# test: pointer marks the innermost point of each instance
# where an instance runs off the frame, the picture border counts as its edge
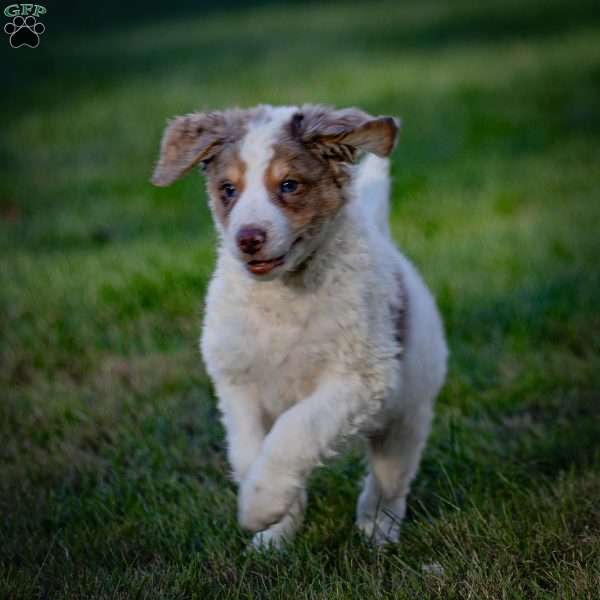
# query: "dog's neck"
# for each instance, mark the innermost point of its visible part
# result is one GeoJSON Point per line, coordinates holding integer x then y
{"type": "Point", "coordinates": [332, 243]}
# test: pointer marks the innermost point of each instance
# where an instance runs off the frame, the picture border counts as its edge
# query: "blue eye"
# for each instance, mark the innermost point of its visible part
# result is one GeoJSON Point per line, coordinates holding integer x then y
{"type": "Point", "coordinates": [229, 191]}
{"type": "Point", "coordinates": [288, 186]}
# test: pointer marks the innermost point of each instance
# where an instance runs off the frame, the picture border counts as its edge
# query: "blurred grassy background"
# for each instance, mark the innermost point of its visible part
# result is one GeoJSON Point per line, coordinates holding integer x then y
{"type": "Point", "coordinates": [113, 477]}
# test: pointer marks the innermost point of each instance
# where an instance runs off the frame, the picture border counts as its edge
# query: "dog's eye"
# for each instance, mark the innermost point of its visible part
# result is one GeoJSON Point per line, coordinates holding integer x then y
{"type": "Point", "coordinates": [288, 186]}
{"type": "Point", "coordinates": [228, 192]}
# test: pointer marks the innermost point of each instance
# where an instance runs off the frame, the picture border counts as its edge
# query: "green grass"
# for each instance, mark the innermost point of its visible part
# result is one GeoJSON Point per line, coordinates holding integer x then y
{"type": "Point", "coordinates": [113, 476]}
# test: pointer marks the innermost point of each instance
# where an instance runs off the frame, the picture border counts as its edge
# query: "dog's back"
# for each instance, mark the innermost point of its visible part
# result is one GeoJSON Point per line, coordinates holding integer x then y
{"type": "Point", "coordinates": [417, 325]}
{"type": "Point", "coordinates": [372, 191]}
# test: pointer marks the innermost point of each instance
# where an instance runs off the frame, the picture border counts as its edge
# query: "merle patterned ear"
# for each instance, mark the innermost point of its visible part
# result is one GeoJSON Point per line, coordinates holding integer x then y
{"type": "Point", "coordinates": [338, 134]}
{"type": "Point", "coordinates": [187, 141]}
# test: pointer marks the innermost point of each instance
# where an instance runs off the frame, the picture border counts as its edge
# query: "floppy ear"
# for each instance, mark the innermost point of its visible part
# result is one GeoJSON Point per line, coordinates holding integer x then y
{"type": "Point", "coordinates": [338, 134]}
{"type": "Point", "coordinates": [187, 141]}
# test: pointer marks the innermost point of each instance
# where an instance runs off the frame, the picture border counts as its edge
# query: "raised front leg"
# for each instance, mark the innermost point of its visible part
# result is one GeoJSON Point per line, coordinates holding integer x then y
{"type": "Point", "coordinates": [243, 422]}
{"type": "Point", "coordinates": [298, 441]}
{"type": "Point", "coordinates": [245, 427]}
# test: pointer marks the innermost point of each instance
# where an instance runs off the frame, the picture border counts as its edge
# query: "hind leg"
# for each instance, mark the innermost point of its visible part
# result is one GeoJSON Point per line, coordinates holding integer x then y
{"type": "Point", "coordinates": [394, 456]}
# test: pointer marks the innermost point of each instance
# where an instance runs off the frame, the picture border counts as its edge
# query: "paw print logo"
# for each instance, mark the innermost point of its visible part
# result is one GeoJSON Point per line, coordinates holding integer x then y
{"type": "Point", "coordinates": [24, 31]}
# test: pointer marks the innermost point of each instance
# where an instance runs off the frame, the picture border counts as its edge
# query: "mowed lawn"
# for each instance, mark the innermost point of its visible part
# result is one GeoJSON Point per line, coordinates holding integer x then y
{"type": "Point", "coordinates": [113, 477]}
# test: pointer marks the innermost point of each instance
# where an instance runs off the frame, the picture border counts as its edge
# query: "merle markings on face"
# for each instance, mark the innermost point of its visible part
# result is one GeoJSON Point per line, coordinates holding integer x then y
{"type": "Point", "coordinates": [275, 175]}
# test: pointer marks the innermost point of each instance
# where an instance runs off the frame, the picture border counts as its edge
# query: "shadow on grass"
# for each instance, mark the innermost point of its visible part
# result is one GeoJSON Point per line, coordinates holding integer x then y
{"type": "Point", "coordinates": [98, 67]}
{"type": "Point", "coordinates": [542, 421]}
{"type": "Point", "coordinates": [546, 112]}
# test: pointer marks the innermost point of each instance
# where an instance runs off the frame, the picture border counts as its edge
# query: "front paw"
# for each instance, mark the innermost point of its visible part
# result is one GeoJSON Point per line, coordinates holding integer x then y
{"type": "Point", "coordinates": [263, 502]}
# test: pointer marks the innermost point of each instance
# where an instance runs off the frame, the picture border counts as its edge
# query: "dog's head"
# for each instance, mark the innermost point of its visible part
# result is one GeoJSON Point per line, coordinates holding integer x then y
{"type": "Point", "coordinates": [275, 176]}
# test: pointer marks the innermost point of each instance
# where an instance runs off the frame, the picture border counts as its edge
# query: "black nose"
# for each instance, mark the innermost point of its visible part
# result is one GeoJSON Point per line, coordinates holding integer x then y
{"type": "Point", "coordinates": [251, 239]}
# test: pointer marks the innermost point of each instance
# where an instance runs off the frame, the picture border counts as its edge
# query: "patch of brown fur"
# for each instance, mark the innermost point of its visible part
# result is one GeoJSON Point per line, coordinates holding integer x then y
{"type": "Point", "coordinates": [321, 182]}
{"type": "Point", "coordinates": [338, 134]}
{"type": "Point", "coordinates": [226, 167]}
{"type": "Point", "coordinates": [315, 150]}
{"type": "Point", "coordinates": [194, 138]}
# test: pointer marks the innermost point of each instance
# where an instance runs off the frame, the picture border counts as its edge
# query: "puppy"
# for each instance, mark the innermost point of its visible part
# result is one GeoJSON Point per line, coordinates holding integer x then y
{"type": "Point", "coordinates": [316, 327]}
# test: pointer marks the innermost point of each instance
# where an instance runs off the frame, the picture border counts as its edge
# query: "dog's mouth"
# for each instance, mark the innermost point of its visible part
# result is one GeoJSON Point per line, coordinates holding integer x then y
{"type": "Point", "coordinates": [262, 267]}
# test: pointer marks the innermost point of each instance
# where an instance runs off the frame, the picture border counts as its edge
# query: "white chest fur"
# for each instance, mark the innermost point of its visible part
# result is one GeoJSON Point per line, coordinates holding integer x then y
{"type": "Point", "coordinates": [276, 337]}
